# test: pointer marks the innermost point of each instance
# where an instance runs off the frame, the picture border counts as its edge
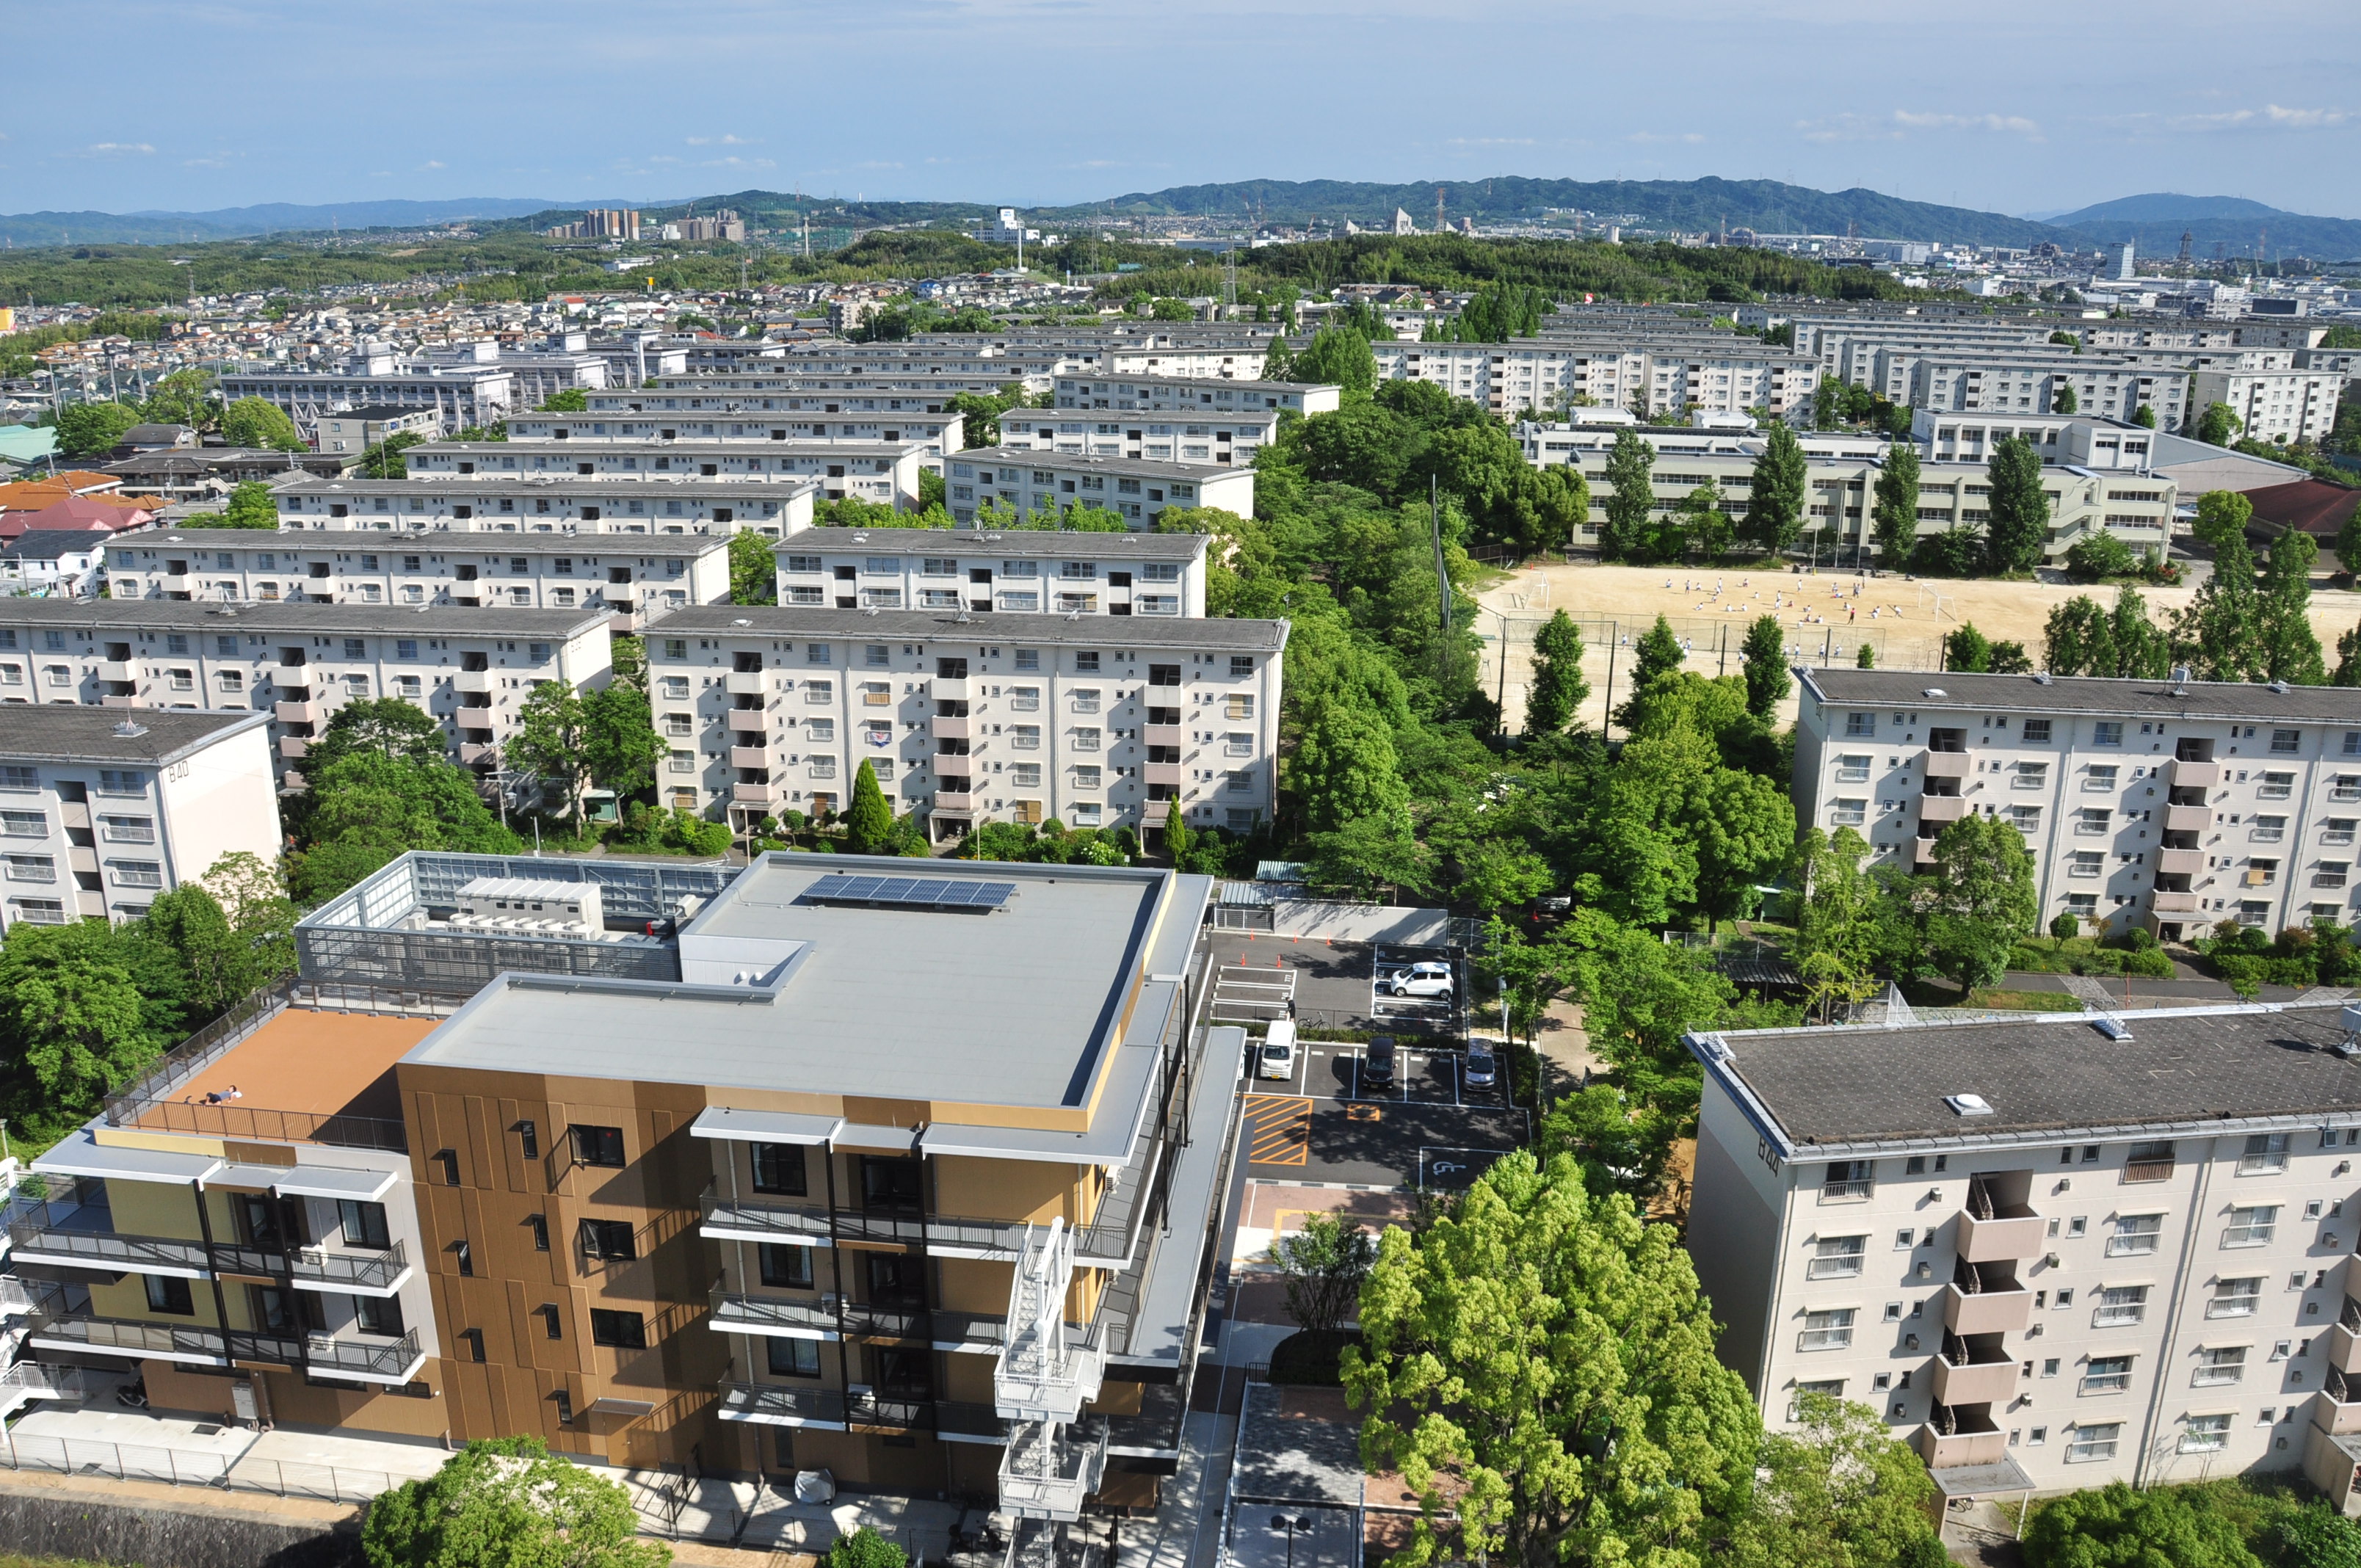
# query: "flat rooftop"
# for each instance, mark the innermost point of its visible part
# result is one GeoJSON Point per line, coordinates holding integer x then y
{"type": "Point", "coordinates": [1050, 631]}
{"type": "Point", "coordinates": [2183, 1068]}
{"type": "Point", "coordinates": [56, 732]}
{"type": "Point", "coordinates": [1019, 1007]}
{"type": "Point", "coordinates": [2196, 701]}
{"type": "Point", "coordinates": [94, 618]}
{"type": "Point", "coordinates": [1017, 542]}
{"type": "Point", "coordinates": [308, 1064]}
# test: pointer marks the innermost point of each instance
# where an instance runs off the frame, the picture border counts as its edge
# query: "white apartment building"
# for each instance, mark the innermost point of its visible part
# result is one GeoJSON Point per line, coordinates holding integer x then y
{"type": "Point", "coordinates": [1690, 372]}
{"type": "Point", "coordinates": [938, 433]}
{"type": "Point", "coordinates": [557, 503]}
{"type": "Point", "coordinates": [2176, 806]}
{"type": "Point", "coordinates": [968, 719]}
{"type": "Point", "coordinates": [1177, 392]}
{"type": "Point", "coordinates": [350, 432]}
{"type": "Point", "coordinates": [874, 472]}
{"type": "Point", "coordinates": [1042, 481]}
{"type": "Point", "coordinates": [2054, 1252]}
{"type": "Point", "coordinates": [1012, 571]}
{"type": "Point", "coordinates": [2273, 405]}
{"type": "Point", "coordinates": [457, 394]}
{"type": "Point", "coordinates": [632, 578]}
{"type": "Point", "coordinates": [299, 663]}
{"type": "Point", "coordinates": [2066, 439]}
{"type": "Point", "coordinates": [2029, 385]}
{"type": "Point", "coordinates": [1158, 436]}
{"type": "Point", "coordinates": [101, 812]}
{"type": "Point", "coordinates": [784, 391]}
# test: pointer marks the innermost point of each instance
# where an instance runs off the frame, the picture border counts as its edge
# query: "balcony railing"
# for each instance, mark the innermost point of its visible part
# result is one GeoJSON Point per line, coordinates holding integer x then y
{"type": "Point", "coordinates": [780, 1404]}
{"type": "Point", "coordinates": [388, 1361]}
{"type": "Point", "coordinates": [366, 1270]}
{"type": "Point", "coordinates": [84, 1237]}
{"type": "Point", "coordinates": [1045, 1474]}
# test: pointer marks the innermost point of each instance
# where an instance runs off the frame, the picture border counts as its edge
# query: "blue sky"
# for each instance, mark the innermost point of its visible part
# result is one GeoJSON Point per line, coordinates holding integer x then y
{"type": "Point", "coordinates": [2019, 106]}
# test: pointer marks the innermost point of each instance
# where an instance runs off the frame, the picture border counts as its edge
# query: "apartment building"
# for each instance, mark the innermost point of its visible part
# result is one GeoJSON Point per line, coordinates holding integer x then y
{"type": "Point", "coordinates": [2272, 404]}
{"type": "Point", "coordinates": [2175, 806]}
{"type": "Point", "coordinates": [2054, 1252]}
{"type": "Point", "coordinates": [1157, 436]}
{"type": "Point", "coordinates": [1015, 571]}
{"type": "Point", "coordinates": [1137, 489]}
{"type": "Point", "coordinates": [939, 432]}
{"type": "Point", "coordinates": [873, 471]}
{"type": "Point", "coordinates": [350, 432]}
{"type": "Point", "coordinates": [967, 1259]}
{"type": "Point", "coordinates": [1173, 393]}
{"type": "Point", "coordinates": [557, 503]}
{"type": "Point", "coordinates": [2074, 440]}
{"type": "Point", "coordinates": [768, 710]}
{"type": "Point", "coordinates": [779, 389]}
{"type": "Point", "coordinates": [469, 668]}
{"type": "Point", "coordinates": [1714, 373]}
{"type": "Point", "coordinates": [2030, 383]}
{"type": "Point", "coordinates": [101, 812]}
{"type": "Point", "coordinates": [441, 567]}
{"type": "Point", "coordinates": [457, 394]}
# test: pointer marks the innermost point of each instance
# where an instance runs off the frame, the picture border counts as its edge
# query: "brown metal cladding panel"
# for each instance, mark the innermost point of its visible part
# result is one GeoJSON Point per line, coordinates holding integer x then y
{"type": "Point", "coordinates": [481, 1167]}
{"type": "Point", "coordinates": [511, 1147]}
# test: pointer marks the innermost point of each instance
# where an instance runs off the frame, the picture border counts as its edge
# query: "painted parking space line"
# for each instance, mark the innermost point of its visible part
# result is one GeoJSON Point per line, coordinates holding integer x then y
{"type": "Point", "coordinates": [1278, 1129]}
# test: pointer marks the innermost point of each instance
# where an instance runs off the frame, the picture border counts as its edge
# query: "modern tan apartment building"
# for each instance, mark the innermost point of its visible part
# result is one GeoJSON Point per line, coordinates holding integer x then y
{"type": "Point", "coordinates": [948, 1237]}
{"type": "Point", "coordinates": [968, 718]}
{"type": "Point", "coordinates": [2175, 806]}
{"type": "Point", "coordinates": [2052, 1252]}
{"type": "Point", "coordinates": [470, 668]}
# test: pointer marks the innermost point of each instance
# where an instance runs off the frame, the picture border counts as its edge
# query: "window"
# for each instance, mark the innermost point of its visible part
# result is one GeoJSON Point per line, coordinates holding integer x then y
{"type": "Point", "coordinates": [2107, 732]}
{"type": "Point", "coordinates": [1849, 812]}
{"type": "Point", "coordinates": [25, 824]}
{"type": "Point", "coordinates": [2092, 819]}
{"type": "Point", "coordinates": [1837, 1258]}
{"type": "Point", "coordinates": [32, 868]}
{"type": "Point", "coordinates": [2036, 730]}
{"type": "Point", "coordinates": [553, 1325]}
{"type": "Point", "coordinates": [114, 781]}
{"type": "Point", "coordinates": [378, 1315]}
{"type": "Point", "coordinates": [2253, 1225]}
{"type": "Point", "coordinates": [2267, 830]}
{"type": "Point", "coordinates": [1860, 725]}
{"type": "Point", "coordinates": [792, 1357]}
{"type": "Point", "coordinates": [2205, 1434]}
{"type": "Point", "coordinates": [1831, 1330]}
{"type": "Point", "coordinates": [2119, 1305]}
{"type": "Point", "coordinates": [779, 1169]}
{"type": "Point", "coordinates": [2098, 779]}
{"type": "Point", "coordinates": [618, 1331]}
{"type": "Point", "coordinates": [1853, 768]}
{"type": "Point", "coordinates": [1848, 1178]}
{"type": "Point", "coordinates": [2086, 863]}
{"type": "Point", "coordinates": [1238, 704]}
{"type": "Point", "coordinates": [2218, 1365]}
{"type": "Point", "coordinates": [2149, 1161]}
{"type": "Point", "coordinates": [609, 1239]}
{"type": "Point", "coordinates": [19, 778]}
{"type": "Point", "coordinates": [2093, 1443]}
{"type": "Point", "coordinates": [598, 1146]}
{"type": "Point", "coordinates": [2107, 1375]}
{"type": "Point", "coordinates": [786, 1267]}
{"type": "Point", "coordinates": [465, 1256]}
{"type": "Point", "coordinates": [1086, 776]}
{"type": "Point", "coordinates": [137, 874]}
{"type": "Point", "coordinates": [2285, 740]}
{"type": "Point", "coordinates": [364, 1223]}
{"type": "Point", "coordinates": [2276, 787]}
{"type": "Point", "coordinates": [166, 1294]}
{"type": "Point", "coordinates": [2234, 1297]}
{"type": "Point", "coordinates": [539, 1225]}
{"type": "Point", "coordinates": [2264, 1152]}
{"type": "Point", "coordinates": [2135, 1236]}
{"type": "Point", "coordinates": [2031, 775]}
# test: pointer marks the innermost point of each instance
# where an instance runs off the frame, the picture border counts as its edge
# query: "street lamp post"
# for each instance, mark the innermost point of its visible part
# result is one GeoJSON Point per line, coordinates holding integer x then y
{"type": "Point", "coordinates": [1291, 1524]}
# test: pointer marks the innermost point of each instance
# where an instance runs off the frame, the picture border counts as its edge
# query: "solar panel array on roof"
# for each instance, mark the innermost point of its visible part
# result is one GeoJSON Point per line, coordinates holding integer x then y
{"type": "Point", "coordinates": [908, 893]}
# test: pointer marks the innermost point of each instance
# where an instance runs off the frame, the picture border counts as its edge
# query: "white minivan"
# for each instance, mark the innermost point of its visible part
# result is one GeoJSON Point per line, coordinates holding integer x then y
{"type": "Point", "coordinates": [1278, 1050]}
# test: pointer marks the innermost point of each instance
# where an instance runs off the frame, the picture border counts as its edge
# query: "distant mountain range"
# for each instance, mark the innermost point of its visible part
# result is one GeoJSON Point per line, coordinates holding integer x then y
{"type": "Point", "coordinates": [2153, 223]}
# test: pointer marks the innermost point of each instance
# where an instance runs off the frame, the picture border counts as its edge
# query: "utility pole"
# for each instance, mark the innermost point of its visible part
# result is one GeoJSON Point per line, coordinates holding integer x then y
{"type": "Point", "coordinates": [1442, 578]}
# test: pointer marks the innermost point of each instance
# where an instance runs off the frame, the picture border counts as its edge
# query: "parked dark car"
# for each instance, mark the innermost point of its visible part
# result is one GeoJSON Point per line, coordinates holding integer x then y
{"type": "Point", "coordinates": [1377, 1064]}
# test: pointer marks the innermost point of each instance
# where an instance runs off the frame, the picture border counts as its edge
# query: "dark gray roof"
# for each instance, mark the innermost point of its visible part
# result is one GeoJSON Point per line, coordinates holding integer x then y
{"type": "Point", "coordinates": [2048, 1073]}
{"type": "Point", "coordinates": [49, 543]}
{"type": "Point", "coordinates": [1069, 462]}
{"type": "Point", "coordinates": [91, 616]}
{"type": "Point", "coordinates": [64, 732]}
{"type": "Point", "coordinates": [444, 541]}
{"type": "Point", "coordinates": [378, 411]}
{"type": "Point", "coordinates": [478, 489]}
{"type": "Point", "coordinates": [2081, 694]}
{"type": "Point", "coordinates": [1014, 541]}
{"type": "Point", "coordinates": [1051, 630]}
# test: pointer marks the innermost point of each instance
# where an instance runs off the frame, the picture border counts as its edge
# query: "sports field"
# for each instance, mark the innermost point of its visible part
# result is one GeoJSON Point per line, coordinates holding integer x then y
{"type": "Point", "coordinates": [1828, 617]}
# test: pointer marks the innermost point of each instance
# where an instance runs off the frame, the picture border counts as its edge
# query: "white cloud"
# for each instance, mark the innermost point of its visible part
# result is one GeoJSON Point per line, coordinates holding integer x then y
{"type": "Point", "coordinates": [2270, 116]}
{"type": "Point", "coordinates": [2016, 123]}
{"type": "Point", "coordinates": [1648, 137]}
{"type": "Point", "coordinates": [116, 149]}
{"type": "Point", "coordinates": [432, 163]}
{"type": "Point", "coordinates": [1898, 125]}
{"type": "Point", "coordinates": [204, 163]}
{"type": "Point", "coordinates": [725, 141]}
{"type": "Point", "coordinates": [1489, 141]}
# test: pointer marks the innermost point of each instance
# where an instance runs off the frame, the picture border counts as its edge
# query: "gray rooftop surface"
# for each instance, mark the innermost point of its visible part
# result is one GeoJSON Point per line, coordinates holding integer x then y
{"type": "Point", "coordinates": [59, 732]}
{"type": "Point", "coordinates": [1035, 458]}
{"type": "Point", "coordinates": [94, 616]}
{"type": "Point", "coordinates": [1012, 1008]}
{"type": "Point", "coordinates": [1861, 1083]}
{"type": "Point", "coordinates": [1292, 1459]}
{"type": "Point", "coordinates": [445, 541]}
{"type": "Point", "coordinates": [1012, 542]}
{"type": "Point", "coordinates": [2083, 693]}
{"type": "Point", "coordinates": [1089, 632]}
{"type": "Point", "coordinates": [471, 488]}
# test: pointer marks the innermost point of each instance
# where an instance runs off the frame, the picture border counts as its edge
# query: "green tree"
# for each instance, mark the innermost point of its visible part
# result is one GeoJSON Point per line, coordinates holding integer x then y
{"type": "Point", "coordinates": [1707, 526]}
{"type": "Point", "coordinates": [2222, 515]}
{"type": "Point", "coordinates": [2063, 401]}
{"type": "Point", "coordinates": [1775, 506]}
{"type": "Point", "coordinates": [869, 820]}
{"type": "Point", "coordinates": [2217, 426]}
{"type": "Point", "coordinates": [73, 1011]}
{"type": "Point", "coordinates": [2348, 541]}
{"type": "Point", "coordinates": [189, 921]}
{"type": "Point", "coordinates": [1840, 1493]}
{"type": "Point", "coordinates": [2219, 632]}
{"type": "Point", "coordinates": [1743, 827]}
{"type": "Point", "coordinates": [753, 570]}
{"type": "Point", "coordinates": [184, 397]}
{"type": "Point", "coordinates": [1365, 856]}
{"type": "Point", "coordinates": [368, 807]}
{"type": "Point", "coordinates": [1630, 463]}
{"type": "Point", "coordinates": [1659, 653]}
{"type": "Point", "coordinates": [1983, 899]}
{"type": "Point", "coordinates": [2143, 650]}
{"type": "Point", "coordinates": [2116, 1527]}
{"type": "Point", "coordinates": [387, 725]}
{"type": "Point", "coordinates": [2098, 555]}
{"type": "Point", "coordinates": [1865, 657]}
{"type": "Point", "coordinates": [251, 505]}
{"type": "Point", "coordinates": [260, 425]}
{"type": "Point", "coordinates": [2290, 651]}
{"type": "Point", "coordinates": [508, 1503]}
{"type": "Point", "coordinates": [1336, 356]}
{"type": "Point", "coordinates": [2316, 1536]}
{"type": "Point", "coordinates": [1894, 509]}
{"type": "Point", "coordinates": [1176, 832]}
{"type": "Point", "coordinates": [1967, 650]}
{"type": "Point", "coordinates": [2079, 638]}
{"type": "Point", "coordinates": [2348, 659]}
{"type": "Point", "coordinates": [864, 1548]}
{"type": "Point", "coordinates": [550, 740]}
{"type": "Point", "coordinates": [1557, 690]}
{"type": "Point", "coordinates": [2145, 416]}
{"type": "Point", "coordinates": [620, 743]}
{"type": "Point", "coordinates": [2020, 511]}
{"type": "Point", "coordinates": [1764, 657]}
{"type": "Point", "coordinates": [1323, 1266]}
{"type": "Point", "coordinates": [1503, 1343]}
{"type": "Point", "coordinates": [385, 460]}
{"type": "Point", "coordinates": [1498, 873]}
{"type": "Point", "coordinates": [1837, 929]}
{"type": "Point", "coordinates": [570, 401]}
{"type": "Point", "coordinates": [1346, 768]}
{"type": "Point", "coordinates": [91, 429]}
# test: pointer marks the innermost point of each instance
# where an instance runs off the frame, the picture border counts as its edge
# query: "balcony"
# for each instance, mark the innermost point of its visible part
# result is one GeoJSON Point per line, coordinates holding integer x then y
{"type": "Point", "coordinates": [782, 1405]}
{"type": "Point", "coordinates": [1977, 1372]}
{"type": "Point", "coordinates": [1995, 1232]}
{"type": "Point", "coordinates": [1958, 1435]}
{"type": "Point", "coordinates": [1045, 1474]}
{"type": "Point", "coordinates": [354, 1271]}
{"type": "Point", "coordinates": [2180, 773]}
{"type": "Point", "coordinates": [175, 583]}
{"type": "Point", "coordinates": [1923, 851]}
{"type": "Point", "coordinates": [749, 721]}
{"type": "Point", "coordinates": [1947, 764]}
{"type": "Point", "coordinates": [2340, 1406]}
{"type": "Point", "coordinates": [122, 700]}
{"type": "Point", "coordinates": [1161, 735]}
{"type": "Point", "coordinates": [1940, 808]}
{"type": "Point", "coordinates": [1161, 773]}
{"type": "Point", "coordinates": [1986, 1299]}
{"type": "Point", "coordinates": [293, 747]}
{"type": "Point", "coordinates": [750, 757]}
{"type": "Point", "coordinates": [793, 1223]}
{"type": "Point", "coordinates": [2345, 1340]}
{"type": "Point", "coordinates": [365, 1361]}
{"type": "Point", "coordinates": [118, 670]}
{"type": "Point", "coordinates": [746, 682]}
{"type": "Point", "coordinates": [754, 793]}
{"type": "Point", "coordinates": [471, 681]}
{"type": "Point", "coordinates": [954, 800]}
{"type": "Point", "coordinates": [2179, 862]}
{"type": "Point", "coordinates": [2165, 902]}
{"type": "Point", "coordinates": [778, 1317]}
{"type": "Point", "coordinates": [84, 1237]}
{"type": "Point", "coordinates": [29, 1380]}
{"type": "Point", "coordinates": [2186, 818]}
{"type": "Point", "coordinates": [960, 728]}
{"type": "Point", "coordinates": [944, 688]}
{"type": "Point", "coordinates": [305, 712]}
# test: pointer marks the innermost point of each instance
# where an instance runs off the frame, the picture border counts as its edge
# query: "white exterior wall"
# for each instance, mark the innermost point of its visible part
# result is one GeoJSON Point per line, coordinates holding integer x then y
{"type": "Point", "coordinates": [585, 504]}
{"type": "Point", "coordinates": [820, 569]}
{"type": "Point", "coordinates": [1155, 436]}
{"type": "Point", "coordinates": [1175, 392]}
{"type": "Point", "coordinates": [938, 432]}
{"type": "Point", "coordinates": [2273, 405]}
{"type": "Point", "coordinates": [1040, 481]}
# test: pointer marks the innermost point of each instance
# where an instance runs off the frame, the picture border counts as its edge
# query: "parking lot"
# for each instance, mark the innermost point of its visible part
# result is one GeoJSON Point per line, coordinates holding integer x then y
{"type": "Point", "coordinates": [1323, 985]}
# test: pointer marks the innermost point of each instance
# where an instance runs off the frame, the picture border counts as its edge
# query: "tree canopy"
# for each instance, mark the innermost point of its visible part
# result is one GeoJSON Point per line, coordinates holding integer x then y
{"type": "Point", "coordinates": [508, 1503]}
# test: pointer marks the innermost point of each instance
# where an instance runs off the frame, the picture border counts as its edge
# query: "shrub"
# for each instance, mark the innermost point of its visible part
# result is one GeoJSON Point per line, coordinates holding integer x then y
{"type": "Point", "coordinates": [2150, 963]}
{"type": "Point", "coordinates": [2095, 557]}
{"type": "Point", "coordinates": [2116, 1527]}
{"type": "Point", "coordinates": [2066, 928]}
{"type": "Point", "coordinates": [864, 1548]}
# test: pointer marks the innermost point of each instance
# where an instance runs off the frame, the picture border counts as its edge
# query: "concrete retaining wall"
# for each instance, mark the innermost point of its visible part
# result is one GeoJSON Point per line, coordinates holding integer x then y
{"type": "Point", "coordinates": [154, 1534]}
